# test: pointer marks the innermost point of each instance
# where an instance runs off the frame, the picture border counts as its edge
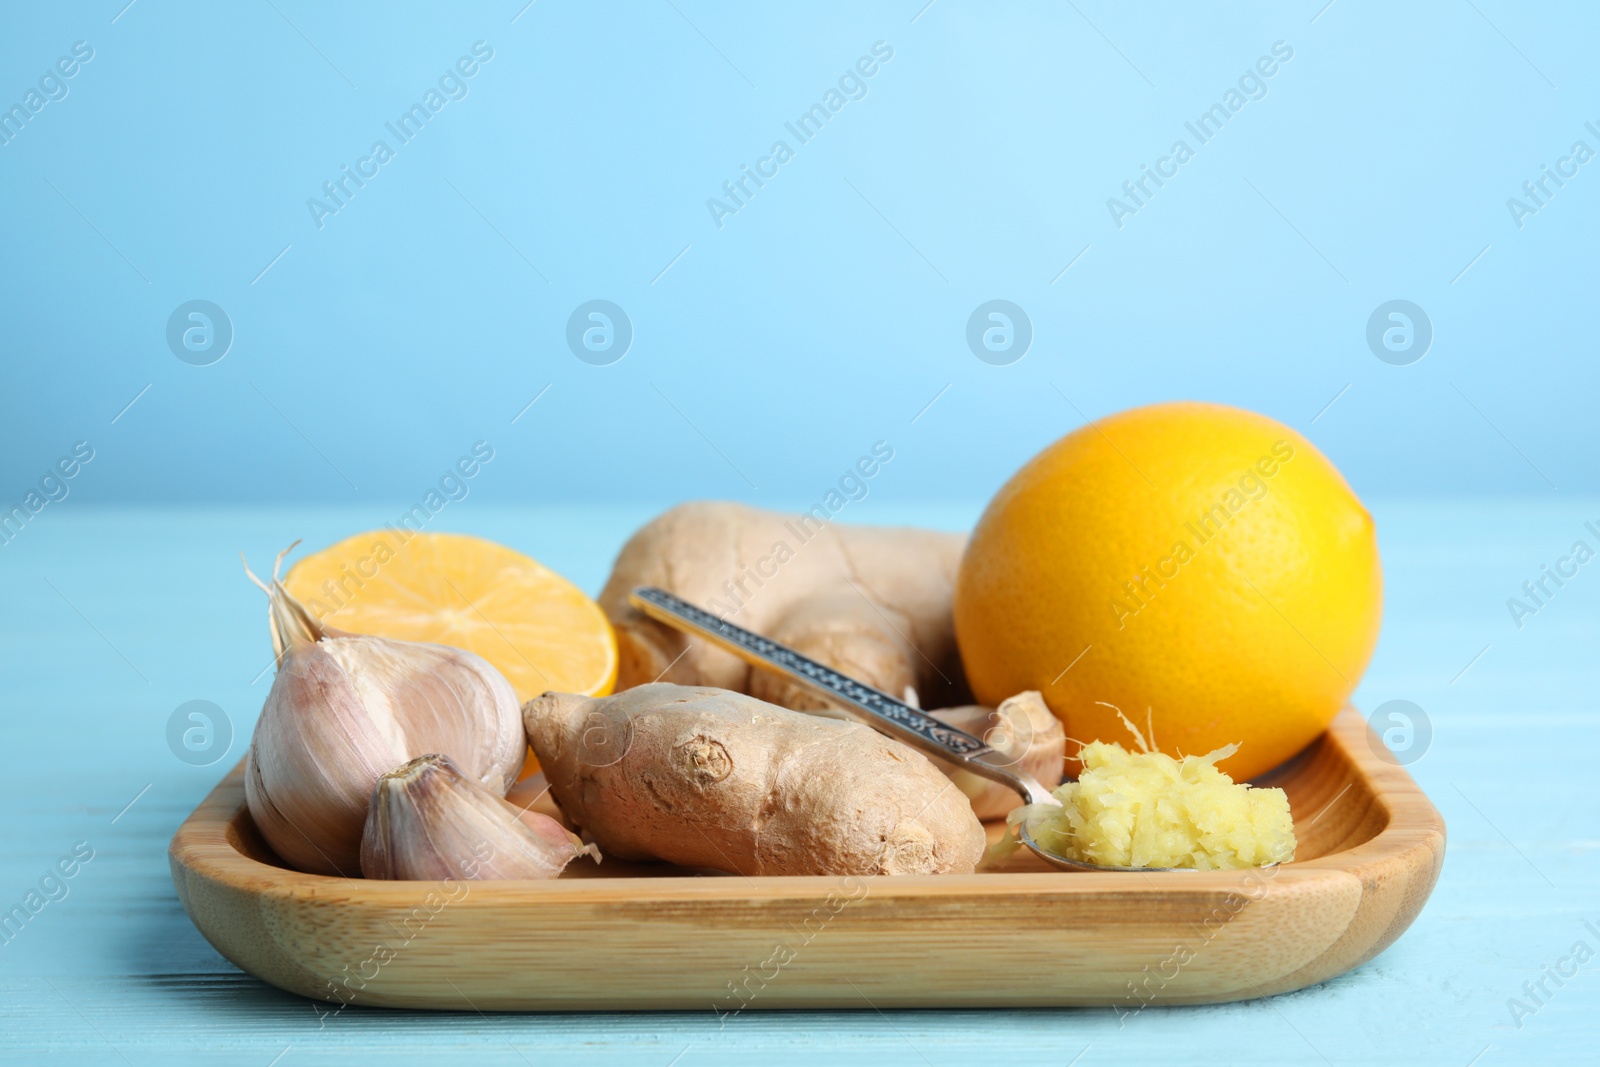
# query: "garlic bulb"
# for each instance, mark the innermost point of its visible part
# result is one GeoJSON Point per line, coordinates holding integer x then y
{"type": "Point", "coordinates": [428, 821]}
{"type": "Point", "coordinates": [346, 708]}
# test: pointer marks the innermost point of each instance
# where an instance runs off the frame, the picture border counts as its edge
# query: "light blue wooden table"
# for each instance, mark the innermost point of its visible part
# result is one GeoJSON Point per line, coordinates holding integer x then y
{"type": "Point", "coordinates": [113, 618]}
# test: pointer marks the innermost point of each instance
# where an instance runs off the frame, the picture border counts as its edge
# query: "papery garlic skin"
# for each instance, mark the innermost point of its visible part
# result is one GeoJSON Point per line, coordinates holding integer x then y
{"type": "Point", "coordinates": [345, 709]}
{"type": "Point", "coordinates": [428, 821]}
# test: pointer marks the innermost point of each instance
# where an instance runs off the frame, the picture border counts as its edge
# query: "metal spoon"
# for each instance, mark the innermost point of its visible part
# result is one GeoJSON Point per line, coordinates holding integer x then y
{"type": "Point", "coordinates": [863, 704]}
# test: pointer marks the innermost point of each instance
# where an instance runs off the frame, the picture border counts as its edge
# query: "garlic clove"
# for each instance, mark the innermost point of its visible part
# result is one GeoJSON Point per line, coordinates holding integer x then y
{"type": "Point", "coordinates": [429, 821]}
{"type": "Point", "coordinates": [531, 795]}
{"type": "Point", "coordinates": [344, 709]}
{"type": "Point", "coordinates": [1023, 730]}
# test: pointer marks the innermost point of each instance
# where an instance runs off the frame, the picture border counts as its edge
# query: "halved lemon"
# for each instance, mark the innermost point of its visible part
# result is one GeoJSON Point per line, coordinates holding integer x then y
{"type": "Point", "coordinates": [536, 627]}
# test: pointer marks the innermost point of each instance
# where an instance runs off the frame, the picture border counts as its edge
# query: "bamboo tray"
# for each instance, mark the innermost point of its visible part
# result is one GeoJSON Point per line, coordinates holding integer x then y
{"type": "Point", "coordinates": [640, 936]}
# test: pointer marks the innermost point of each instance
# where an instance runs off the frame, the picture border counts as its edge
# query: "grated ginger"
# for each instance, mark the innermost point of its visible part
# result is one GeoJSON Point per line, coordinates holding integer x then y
{"type": "Point", "coordinates": [1146, 809]}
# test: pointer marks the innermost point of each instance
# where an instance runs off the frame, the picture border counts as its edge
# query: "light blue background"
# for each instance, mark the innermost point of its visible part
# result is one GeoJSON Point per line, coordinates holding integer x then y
{"type": "Point", "coordinates": [768, 355]}
{"type": "Point", "coordinates": [828, 312]}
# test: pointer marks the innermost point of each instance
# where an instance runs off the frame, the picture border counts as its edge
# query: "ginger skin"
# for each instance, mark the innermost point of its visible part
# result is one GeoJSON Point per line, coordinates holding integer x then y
{"type": "Point", "coordinates": [871, 601]}
{"type": "Point", "coordinates": [707, 778]}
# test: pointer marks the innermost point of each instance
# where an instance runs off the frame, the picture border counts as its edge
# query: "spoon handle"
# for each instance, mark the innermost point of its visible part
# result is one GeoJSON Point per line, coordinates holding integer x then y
{"type": "Point", "coordinates": [859, 702]}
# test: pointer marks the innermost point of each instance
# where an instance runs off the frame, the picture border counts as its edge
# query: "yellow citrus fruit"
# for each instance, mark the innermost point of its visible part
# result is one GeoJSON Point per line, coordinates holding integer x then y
{"type": "Point", "coordinates": [536, 627]}
{"type": "Point", "coordinates": [1201, 568]}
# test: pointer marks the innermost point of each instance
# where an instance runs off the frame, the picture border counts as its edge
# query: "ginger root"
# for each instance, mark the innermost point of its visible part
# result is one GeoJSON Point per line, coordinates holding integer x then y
{"type": "Point", "coordinates": [704, 777]}
{"type": "Point", "coordinates": [871, 601]}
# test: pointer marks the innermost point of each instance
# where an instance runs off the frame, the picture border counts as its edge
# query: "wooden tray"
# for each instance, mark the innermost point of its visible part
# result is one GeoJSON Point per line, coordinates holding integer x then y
{"type": "Point", "coordinates": [653, 937]}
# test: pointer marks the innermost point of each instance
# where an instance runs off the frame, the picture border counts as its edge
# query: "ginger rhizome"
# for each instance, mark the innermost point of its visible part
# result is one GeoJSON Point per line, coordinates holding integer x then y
{"type": "Point", "coordinates": [870, 601]}
{"type": "Point", "coordinates": [707, 778]}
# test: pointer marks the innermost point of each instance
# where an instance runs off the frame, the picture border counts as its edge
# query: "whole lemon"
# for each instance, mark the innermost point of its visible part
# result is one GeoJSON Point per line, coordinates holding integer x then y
{"type": "Point", "coordinates": [1202, 569]}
